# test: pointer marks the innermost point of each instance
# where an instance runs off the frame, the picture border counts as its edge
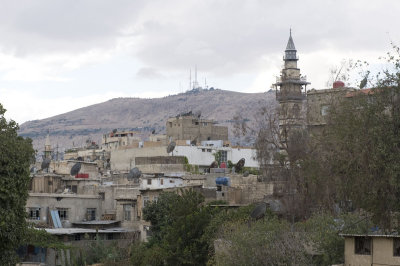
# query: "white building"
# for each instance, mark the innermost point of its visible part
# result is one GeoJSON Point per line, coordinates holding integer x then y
{"type": "Point", "coordinates": [160, 182]}
{"type": "Point", "coordinates": [204, 155]}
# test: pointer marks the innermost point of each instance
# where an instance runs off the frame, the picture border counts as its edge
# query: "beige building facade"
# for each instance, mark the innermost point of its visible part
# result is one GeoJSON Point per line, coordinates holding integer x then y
{"type": "Point", "coordinates": [374, 250]}
{"type": "Point", "coordinates": [189, 127]}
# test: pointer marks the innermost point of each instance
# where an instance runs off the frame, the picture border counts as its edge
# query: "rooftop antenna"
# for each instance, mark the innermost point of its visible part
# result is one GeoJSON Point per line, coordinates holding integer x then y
{"type": "Point", "coordinates": [190, 79]}
{"type": "Point", "coordinates": [195, 77]}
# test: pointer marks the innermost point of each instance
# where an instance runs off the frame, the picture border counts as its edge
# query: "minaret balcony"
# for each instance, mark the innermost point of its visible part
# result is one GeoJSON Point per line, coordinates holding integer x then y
{"type": "Point", "coordinates": [298, 80]}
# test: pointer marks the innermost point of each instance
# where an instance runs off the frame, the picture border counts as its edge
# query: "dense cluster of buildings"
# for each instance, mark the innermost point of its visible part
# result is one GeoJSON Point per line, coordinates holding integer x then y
{"type": "Point", "coordinates": [104, 199]}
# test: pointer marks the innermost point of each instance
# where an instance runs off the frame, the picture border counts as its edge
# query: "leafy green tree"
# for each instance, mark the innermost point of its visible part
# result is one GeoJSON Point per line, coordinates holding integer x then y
{"type": "Point", "coordinates": [178, 224]}
{"type": "Point", "coordinates": [15, 156]}
{"type": "Point", "coordinates": [356, 161]}
{"type": "Point", "coordinates": [323, 235]}
{"type": "Point", "coordinates": [268, 241]}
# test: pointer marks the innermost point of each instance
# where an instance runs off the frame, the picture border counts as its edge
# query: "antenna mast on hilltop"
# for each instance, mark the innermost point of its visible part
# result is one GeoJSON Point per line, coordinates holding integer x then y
{"type": "Point", "coordinates": [195, 85]}
{"type": "Point", "coordinates": [190, 79]}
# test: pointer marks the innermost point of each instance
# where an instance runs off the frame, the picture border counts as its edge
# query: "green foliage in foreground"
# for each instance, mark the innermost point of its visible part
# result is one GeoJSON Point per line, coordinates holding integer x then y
{"type": "Point", "coordinates": [185, 231]}
{"type": "Point", "coordinates": [268, 241]}
{"type": "Point", "coordinates": [356, 160]}
{"type": "Point", "coordinates": [323, 230]}
{"type": "Point", "coordinates": [15, 156]}
{"type": "Point", "coordinates": [178, 224]}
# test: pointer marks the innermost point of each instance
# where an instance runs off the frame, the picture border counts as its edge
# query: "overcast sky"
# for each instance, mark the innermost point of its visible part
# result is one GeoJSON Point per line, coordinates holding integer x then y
{"type": "Point", "coordinates": [57, 56]}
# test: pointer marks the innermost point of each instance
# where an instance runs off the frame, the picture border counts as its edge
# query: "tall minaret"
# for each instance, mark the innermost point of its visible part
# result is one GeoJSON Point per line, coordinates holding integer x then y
{"type": "Point", "coordinates": [290, 92]}
{"type": "Point", "coordinates": [47, 147]}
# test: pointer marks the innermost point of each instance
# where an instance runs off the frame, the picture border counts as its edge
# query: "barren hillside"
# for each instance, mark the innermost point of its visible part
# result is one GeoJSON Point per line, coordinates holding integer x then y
{"type": "Point", "coordinates": [75, 127]}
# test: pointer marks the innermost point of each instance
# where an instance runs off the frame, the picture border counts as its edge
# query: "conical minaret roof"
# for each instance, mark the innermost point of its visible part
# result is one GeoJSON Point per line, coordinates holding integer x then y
{"type": "Point", "coordinates": [290, 45]}
{"type": "Point", "coordinates": [290, 52]}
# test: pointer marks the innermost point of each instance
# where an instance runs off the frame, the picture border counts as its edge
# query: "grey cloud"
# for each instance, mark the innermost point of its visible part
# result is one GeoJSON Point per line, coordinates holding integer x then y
{"type": "Point", "coordinates": [149, 73]}
{"type": "Point", "coordinates": [231, 36]}
{"type": "Point", "coordinates": [223, 37]}
{"type": "Point", "coordinates": [70, 26]}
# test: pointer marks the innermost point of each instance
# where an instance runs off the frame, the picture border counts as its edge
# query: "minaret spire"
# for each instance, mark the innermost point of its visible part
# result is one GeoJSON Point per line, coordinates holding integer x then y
{"type": "Point", "coordinates": [290, 52]}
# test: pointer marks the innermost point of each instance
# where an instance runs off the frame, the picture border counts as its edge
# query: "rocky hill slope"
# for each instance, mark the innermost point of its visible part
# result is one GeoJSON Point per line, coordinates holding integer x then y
{"type": "Point", "coordinates": [75, 127]}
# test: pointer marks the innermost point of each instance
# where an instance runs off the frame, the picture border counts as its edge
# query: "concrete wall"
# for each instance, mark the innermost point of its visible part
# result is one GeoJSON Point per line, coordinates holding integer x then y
{"type": "Point", "coordinates": [134, 222]}
{"type": "Point", "coordinates": [193, 128]}
{"type": "Point", "coordinates": [124, 159]}
{"type": "Point", "coordinates": [75, 204]}
{"type": "Point", "coordinates": [204, 155]}
{"type": "Point", "coordinates": [250, 155]}
{"type": "Point", "coordinates": [317, 100]}
{"type": "Point", "coordinates": [64, 168]}
{"type": "Point", "coordinates": [45, 183]}
{"type": "Point", "coordinates": [160, 182]}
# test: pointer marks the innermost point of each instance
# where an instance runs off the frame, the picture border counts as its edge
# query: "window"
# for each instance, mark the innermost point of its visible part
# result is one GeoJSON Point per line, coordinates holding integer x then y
{"type": "Point", "coordinates": [396, 247]}
{"type": "Point", "coordinates": [34, 213]}
{"type": "Point", "coordinates": [91, 214]}
{"type": "Point", "coordinates": [145, 200]}
{"type": "Point", "coordinates": [208, 150]}
{"type": "Point", "coordinates": [127, 212]}
{"type": "Point", "coordinates": [73, 188]}
{"type": "Point", "coordinates": [362, 245]}
{"type": "Point", "coordinates": [203, 150]}
{"type": "Point", "coordinates": [224, 156]}
{"type": "Point", "coordinates": [148, 181]}
{"type": "Point", "coordinates": [162, 181]}
{"type": "Point", "coordinates": [324, 110]}
{"type": "Point", "coordinates": [63, 213]}
{"type": "Point", "coordinates": [77, 237]}
{"type": "Point", "coordinates": [102, 195]}
{"type": "Point", "coordinates": [172, 181]}
{"type": "Point", "coordinates": [155, 198]}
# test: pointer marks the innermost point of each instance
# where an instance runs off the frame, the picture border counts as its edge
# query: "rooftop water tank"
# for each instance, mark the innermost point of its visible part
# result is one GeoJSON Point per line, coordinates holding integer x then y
{"type": "Point", "coordinates": [226, 181]}
{"type": "Point", "coordinates": [338, 84]}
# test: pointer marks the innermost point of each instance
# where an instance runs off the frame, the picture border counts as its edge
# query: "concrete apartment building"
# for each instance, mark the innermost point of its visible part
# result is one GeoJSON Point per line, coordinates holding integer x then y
{"type": "Point", "coordinates": [195, 129]}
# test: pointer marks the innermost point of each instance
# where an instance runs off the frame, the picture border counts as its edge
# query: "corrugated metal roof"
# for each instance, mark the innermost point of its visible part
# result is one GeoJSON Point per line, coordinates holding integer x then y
{"type": "Point", "coordinates": [369, 235]}
{"type": "Point", "coordinates": [97, 222]}
{"type": "Point", "coordinates": [71, 231]}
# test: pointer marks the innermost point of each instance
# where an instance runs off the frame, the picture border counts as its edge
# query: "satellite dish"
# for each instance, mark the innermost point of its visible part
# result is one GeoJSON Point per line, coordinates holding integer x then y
{"type": "Point", "coordinates": [171, 147]}
{"type": "Point", "coordinates": [214, 164]}
{"type": "Point", "coordinates": [134, 173]}
{"type": "Point", "coordinates": [45, 163]}
{"type": "Point", "coordinates": [246, 173]}
{"type": "Point", "coordinates": [114, 130]}
{"type": "Point", "coordinates": [259, 211]}
{"type": "Point", "coordinates": [75, 169]}
{"type": "Point", "coordinates": [240, 164]}
{"type": "Point", "coordinates": [153, 132]}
